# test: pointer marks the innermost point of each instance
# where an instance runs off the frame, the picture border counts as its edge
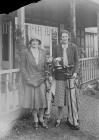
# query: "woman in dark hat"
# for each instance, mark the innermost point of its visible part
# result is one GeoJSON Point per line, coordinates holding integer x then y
{"type": "Point", "coordinates": [33, 73]}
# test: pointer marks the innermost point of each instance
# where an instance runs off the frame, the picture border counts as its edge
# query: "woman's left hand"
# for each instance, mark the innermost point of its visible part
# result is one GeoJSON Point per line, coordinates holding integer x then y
{"type": "Point", "coordinates": [75, 75]}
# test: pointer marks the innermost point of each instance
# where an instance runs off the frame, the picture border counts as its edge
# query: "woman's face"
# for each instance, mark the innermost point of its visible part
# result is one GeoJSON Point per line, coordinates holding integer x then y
{"type": "Point", "coordinates": [65, 38]}
{"type": "Point", "coordinates": [34, 44]}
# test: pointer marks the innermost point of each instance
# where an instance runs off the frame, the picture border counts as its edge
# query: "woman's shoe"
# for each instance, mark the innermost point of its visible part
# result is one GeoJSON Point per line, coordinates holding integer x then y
{"type": "Point", "coordinates": [47, 116]}
{"type": "Point", "coordinates": [58, 122]}
{"type": "Point", "coordinates": [36, 125]}
{"type": "Point", "coordinates": [73, 127]}
{"type": "Point", "coordinates": [43, 124]}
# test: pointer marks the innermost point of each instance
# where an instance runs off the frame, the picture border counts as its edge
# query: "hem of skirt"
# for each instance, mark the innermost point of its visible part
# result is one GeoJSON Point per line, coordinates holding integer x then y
{"type": "Point", "coordinates": [31, 107]}
{"type": "Point", "coordinates": [39, 107]}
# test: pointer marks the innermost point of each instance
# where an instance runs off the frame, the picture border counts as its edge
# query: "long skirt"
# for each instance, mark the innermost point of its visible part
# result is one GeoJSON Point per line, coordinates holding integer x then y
{"type": "Point", "coordinates": [35, 98]}
{"type": "Point", "coordinates": [60, 93]}
{"type": "Point", "coordinates": [66, 94]}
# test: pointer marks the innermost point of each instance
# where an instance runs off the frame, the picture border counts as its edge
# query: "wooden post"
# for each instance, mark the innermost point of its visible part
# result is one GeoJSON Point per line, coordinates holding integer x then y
{"type": "Point", "coordinates": [98, 30]}
{"type": "Point", "coordinates": [73, 20]}
{"type": "Point", "coordinates": [0, 56]}
{"type": "Point", "coordinates": [61, 28]}
{"type": "Point", "coordinates": [21, 21]}
{"type": "Point", "coordinates": [20, 35]}
{"type": "Point", "coordinates": [0, 42]}
{"type": "Point", "coordinates": [50, 42]}
{"type": "Point", "coordinates": [10, 45]}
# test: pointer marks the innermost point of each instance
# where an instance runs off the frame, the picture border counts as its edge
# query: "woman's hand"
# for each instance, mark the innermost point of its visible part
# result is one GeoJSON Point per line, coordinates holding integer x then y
{"type": "Point", "coordinates": [35, 82]}
{"type": "Point", "coordinates": [75, 75]}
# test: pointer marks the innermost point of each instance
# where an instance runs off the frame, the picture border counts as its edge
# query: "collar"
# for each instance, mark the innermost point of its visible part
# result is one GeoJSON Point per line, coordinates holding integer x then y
{"type": "Point", "coordinates": [33, 49]}
{"type": "Point", "coordinates": [69, 45]}
{"type": "Point", "coordinates": [65, 46]}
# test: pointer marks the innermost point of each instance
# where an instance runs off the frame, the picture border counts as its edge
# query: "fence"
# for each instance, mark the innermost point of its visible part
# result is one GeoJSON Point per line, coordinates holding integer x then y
{"type": "Point", "coordinates": [9, 90]}
{"type": "Point", "coordinates": [89, 69]}
{"type": "Point", "coordinates": [91, 48]}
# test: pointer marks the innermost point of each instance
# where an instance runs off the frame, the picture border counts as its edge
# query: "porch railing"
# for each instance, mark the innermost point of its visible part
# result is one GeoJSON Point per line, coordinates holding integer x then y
{"type": "Point", "coordinates": [9, 98]}
{"type": "Point", "coordinates": [89, 69]}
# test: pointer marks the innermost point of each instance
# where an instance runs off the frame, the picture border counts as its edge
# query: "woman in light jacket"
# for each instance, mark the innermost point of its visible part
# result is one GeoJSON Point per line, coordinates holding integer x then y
{"type": "Point", "coordinates": [33, 76]}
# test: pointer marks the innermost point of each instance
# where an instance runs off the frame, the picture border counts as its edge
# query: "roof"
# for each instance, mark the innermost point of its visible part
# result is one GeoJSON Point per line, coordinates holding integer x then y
{"type": "Point", "coordinates": [95, 1]}
{"type": "Point", "coordinates": [58, 11]}
{"type": "Point", "coordinates": [55, 12]}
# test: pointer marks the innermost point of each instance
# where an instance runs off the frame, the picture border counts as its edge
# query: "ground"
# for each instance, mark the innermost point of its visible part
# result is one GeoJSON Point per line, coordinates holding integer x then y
{"type": "Point", "coordinates": [23, 130]}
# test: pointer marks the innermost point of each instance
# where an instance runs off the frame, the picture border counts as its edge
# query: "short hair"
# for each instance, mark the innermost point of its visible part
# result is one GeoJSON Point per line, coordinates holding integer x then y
{"type": "Point", "coordinates": [33, 39]}
{"type": "Point", "coordinates": [66, 32]}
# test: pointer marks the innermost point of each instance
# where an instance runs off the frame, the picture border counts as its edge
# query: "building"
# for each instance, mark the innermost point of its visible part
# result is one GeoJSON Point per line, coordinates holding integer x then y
{"type": "Point", "coordinates": [45, 19]}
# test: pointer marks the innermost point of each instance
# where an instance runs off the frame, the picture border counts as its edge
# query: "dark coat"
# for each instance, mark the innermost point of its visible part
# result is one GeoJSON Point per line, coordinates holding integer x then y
{"type": "Point", "coordinates": [72, 55]}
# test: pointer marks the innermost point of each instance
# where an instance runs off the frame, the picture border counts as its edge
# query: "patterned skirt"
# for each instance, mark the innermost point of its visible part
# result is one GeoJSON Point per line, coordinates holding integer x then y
{"type": "Point", "coordinates": [61, 93]}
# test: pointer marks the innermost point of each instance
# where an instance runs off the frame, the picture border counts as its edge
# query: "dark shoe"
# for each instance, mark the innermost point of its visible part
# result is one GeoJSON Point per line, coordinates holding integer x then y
{"type": "Point", "coordinates": [36, 125]}
{"type": "Point", "coordinates": [76, 127]}
{"type": "Point", "coordinates": [72, 126]}
{"type": "Point", "coordinates": [43, 124]}
{"type": "Point", "coordinates": [47, 118]}
{"type": "Point", "coordinates": [58, 123]}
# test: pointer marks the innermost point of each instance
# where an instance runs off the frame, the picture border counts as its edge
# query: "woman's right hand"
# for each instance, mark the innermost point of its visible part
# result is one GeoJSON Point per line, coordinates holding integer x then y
{"type": "Point", "coordinates": [37, 83]}
{"type": "Point", "coordinates": [31, 82]}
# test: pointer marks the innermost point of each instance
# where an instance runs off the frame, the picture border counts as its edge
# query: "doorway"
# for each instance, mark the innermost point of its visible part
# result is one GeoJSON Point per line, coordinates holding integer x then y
{"type": "Point", "coordinates": [7, 45]}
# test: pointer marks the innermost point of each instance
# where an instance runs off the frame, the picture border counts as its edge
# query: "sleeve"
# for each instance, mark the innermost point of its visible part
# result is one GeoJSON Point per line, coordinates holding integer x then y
{"type": "Point", "coordinates": [54, 54]}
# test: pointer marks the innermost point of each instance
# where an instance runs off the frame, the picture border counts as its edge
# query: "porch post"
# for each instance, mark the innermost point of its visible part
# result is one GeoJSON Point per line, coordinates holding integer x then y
{"type": "Point", "coordinates": [98, 30]}
{"type": "Point", "coordinates": [73, 19]}
{"type": "Point", "coordinates": [0, 42]}
{"type": "Point", "coordinates": [21, 21]}
{"type": "Point", "coordinates": [0, 55]}
{"type": "Point", "coordinates": [61, 27]}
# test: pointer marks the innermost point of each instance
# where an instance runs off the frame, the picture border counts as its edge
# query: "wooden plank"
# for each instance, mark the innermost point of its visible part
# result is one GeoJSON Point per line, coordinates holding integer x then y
{"type": "Point", "coordinates": [9, 71]}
